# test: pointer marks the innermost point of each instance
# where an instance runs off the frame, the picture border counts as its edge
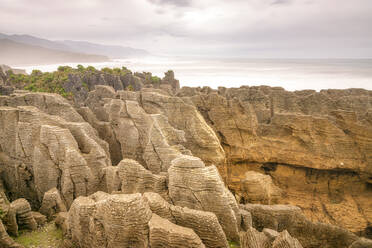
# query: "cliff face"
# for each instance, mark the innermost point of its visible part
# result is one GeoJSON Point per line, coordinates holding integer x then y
{"type": "Point", "coordinates": [316, 146]}
{"type": "Point", "coordinates": [170, 170]}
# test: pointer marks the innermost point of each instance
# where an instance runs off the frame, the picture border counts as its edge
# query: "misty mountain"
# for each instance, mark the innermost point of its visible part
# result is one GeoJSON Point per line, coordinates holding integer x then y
{"type": "Point", "coordinates": [111, 51]}
{"type": "Point", "coordinates": [77, 46]}
{"type": "Point", "coordinates": [35, 41]}
{"type": "Point", "coordinates": [16, 54]}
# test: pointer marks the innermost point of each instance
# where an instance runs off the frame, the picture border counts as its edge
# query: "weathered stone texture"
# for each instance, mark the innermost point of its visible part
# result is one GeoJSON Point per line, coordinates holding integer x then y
{"type": "Point", "coordinates": [195, 186]}
{"type": "Point", "coordinates": [96, 221]}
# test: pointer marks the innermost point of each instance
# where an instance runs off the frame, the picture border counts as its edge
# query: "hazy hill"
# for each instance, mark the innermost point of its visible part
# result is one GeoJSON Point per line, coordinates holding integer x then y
{"type": "Point", "coordinates": [35, 41]}
{"type": "Point", "coordinates": [77, 46]}
{"type": "Point", "coordinates": [111, 51]}
{"type": "Point", "coordinates": [16, 53]}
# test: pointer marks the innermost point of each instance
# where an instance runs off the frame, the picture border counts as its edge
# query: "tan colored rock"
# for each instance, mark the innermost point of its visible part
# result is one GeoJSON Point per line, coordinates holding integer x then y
{"type": "Point", "coordinates": [253, 239]}
{"type": "Point", "coordinates": [52, 203]}
{"type": "Point", "coordinates": [164, 233]}
{"type": "Point", "coordinates": [182, 115]}
{"type": "Point", "coordinates": [96, 221]}
{"type": "Point", "coordinates": [270, 234]}
{"type": "Point", "coordinates": [307, 141]}
{"type": "Point", "coordinates": [131, 177]}
{"type": "Point", "coordinates": [9, 215]}
{"type": "Point", "coordinates": [24, 215]}
{"type": "Point", "coordinates": [131, 132]}
{"type": "Point", "coordinates": [5, 240]}
{"type": "Point", "coordinates": [52, 104]}
{"type": "Point", "coordinates": [259, 188]}
{"type": "Point", "coordinates": [291, 218]}
{"type": "Point", "coordinates": [284, 240]}
{"type": "Point", "coordinates": [205, 224]}
{"type": "Point", "coordinates": [362, 243]}
{"type": "Point", "coordinates": [159, 206]}
{"type": "Point", "coordinates": [246, 219]}
{"type": "Point", "coordinates": [43, 151]}
{"type": "Point", "coordinates": [195, 186]}
{"type": "Point", "coordinates": [39, 218]}
{"type": "Point", "coordinates": [61, 222]}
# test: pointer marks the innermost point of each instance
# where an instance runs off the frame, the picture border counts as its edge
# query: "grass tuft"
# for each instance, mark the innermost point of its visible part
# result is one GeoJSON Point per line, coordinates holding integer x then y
{"type": "Point", "coordinates": [46, 236]}
{"type": "Point", "coordinates": [233, 244]}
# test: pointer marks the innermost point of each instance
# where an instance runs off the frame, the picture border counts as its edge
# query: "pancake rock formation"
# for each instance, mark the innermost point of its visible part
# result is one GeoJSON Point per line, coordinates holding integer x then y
{"type": "Point", "coordinates": [127, 162]}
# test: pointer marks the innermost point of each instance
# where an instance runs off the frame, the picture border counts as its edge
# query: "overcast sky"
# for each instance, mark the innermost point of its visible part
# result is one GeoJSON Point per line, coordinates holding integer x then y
{"type": "Point", "coordinates": [250, 28]}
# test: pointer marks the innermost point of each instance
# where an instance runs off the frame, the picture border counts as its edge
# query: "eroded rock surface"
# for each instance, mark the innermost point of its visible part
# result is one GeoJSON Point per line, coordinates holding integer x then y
{"type": "Point", "coordinates": [52, 203]}
{"type": "Point", "coordinates": [251, 238]}
{"type": "Point", "coordinates": [291, 218]}
{"type": "Point", "coordinates": [41, 150]}
{"type": "Point", "coordinates": [307, 141]}
{"type": "Point", "coordinates": [159, 158]}
{"type": "Point", "coordinates": [193, 185]}
{"type": "Point", "coordinates": [5, 240]}
{"type": "Point", "coordinates": [131, 177]}
{"type": "Point", "coordinates": [164, 233]}
{"type": "Point", "coordinates": [205, 224]}
{"type": "Point", "coordinates": [259, 188]}
{"type": "Point", "coordinates": [102, 220]}
{"type": "Point", "coordinates": [130, 131]}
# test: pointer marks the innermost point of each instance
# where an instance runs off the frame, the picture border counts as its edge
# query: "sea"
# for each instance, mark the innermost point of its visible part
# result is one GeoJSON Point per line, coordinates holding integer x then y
{"type": "Point", "coordinates": [291, 74]}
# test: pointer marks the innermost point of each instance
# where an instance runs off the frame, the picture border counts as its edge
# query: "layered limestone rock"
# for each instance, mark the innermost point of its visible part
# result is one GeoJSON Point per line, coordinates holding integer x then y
{"type": "Point", "coordinates": [362, 243]}
{"type": "Point", "coordinates": [130, 177]}
{"type": "Point", "coordinates": [52, 104]}
{"type": "Point", "coordinates": [39, 218]}
{"type": "Point", "coordinates": [156, 121]}
{"type": "Point", "coordinates": [130, 131]}
{"type": "Point", "coordinates": [5, 240]}
{"type": "Point", "coordinates": [52, 203]}
{"type": "Point", "coordinates": [103, 220]}
{"type": "Point", "coordinates": [307, 141]}
{"type": "Point", "coordinates": [251, 238]}
{"type": "Point", "coordinates": [195, 186]}
{"type": "Point", "coordinates": [309, 149]}
{"type": "Point", "coordinates": [201, 140]}
{"type": "Point", "coordinates": [23, 214]}
{"type": "Point", "coordinates": [61, 222]}
{"type": "Point", "coordinates": [205, 224]}
{"type": "Point", "coordinates": [41, 150]}
{"type": "Point", "coordinates": [168, 83]}
{"type": "Point", "coordinates": [164, 233]}
{"type": "Point", "coordinates": [14, 215]}
{"type": "Point", "coordinates": [259, 188]}
{"type": "Point", "coordinates": [291, 218]}
{"type": "Point", "coordinates": [284, 240]}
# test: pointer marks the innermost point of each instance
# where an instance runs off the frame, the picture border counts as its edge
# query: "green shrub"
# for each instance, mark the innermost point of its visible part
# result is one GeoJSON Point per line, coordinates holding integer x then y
{"type": "Point", "coordinates": [80, 68]}
{"type": "Point", "coordinates": [91, 68]}
{"type": "Point", "coordinates": [85, 85]}
{"type": "Point", "coordinates": [64, 68]}
{"type": "Point", "coordinates": [53, 82]}
{"type": "Point", "coordinates": [233, 244]}
{"type": "Point", "coordinates": [36, 73]}
{"type": "Point", "coordinates": [107, 70]}
{"type": "Point", "coordinates": [155, 80]}
{"type": "Point", "coordinates": [130, 88]}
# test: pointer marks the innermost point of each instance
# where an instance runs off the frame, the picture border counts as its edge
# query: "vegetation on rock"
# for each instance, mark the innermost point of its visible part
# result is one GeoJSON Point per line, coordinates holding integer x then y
{"type": "Point", "coordinates": [46, 236]}
{"type": "Point", "coordinates": [53, 82]}
{"type": "Point", "coordinates": [56, 82]}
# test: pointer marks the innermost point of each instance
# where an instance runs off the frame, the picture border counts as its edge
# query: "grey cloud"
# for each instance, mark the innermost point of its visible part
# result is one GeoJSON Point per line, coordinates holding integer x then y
{"type": "Point", "coordinates": [279, 2]}
{"type": "Point", "coordinates": [237, 27]}
{"type": "Point", "coordinates": [179, 3]}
